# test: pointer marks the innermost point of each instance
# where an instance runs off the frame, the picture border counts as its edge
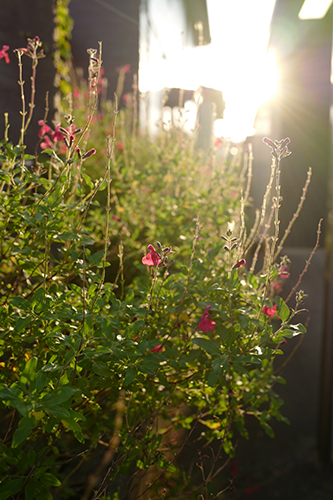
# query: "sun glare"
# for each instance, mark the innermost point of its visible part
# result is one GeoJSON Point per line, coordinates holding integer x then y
{"type": "Point", "coordinates": [236, 62]}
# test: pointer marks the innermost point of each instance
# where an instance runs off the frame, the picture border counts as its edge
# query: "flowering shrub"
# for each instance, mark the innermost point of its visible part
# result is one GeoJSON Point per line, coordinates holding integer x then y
{"type": "Point", "coordinates": [106, 378]}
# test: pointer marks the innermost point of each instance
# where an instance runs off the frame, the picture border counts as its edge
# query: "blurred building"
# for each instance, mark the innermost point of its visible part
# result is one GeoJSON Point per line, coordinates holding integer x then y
{"type": "Point", "coordinates": [147, 35]}
{"type": "Point", "coordinates": [301, 111]}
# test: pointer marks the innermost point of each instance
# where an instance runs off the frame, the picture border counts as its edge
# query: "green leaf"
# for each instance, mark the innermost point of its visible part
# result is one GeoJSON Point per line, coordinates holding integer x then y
{"type": "Point", "coordinates": [29, 372]}
{"type": "Point", "coordinates": [49, 479]}
{"type": "Point", "coordinates": [71, 424]}
{"type": "Point", "coordinates": [57, 411]}
{"type": "Point", "coordinates": [101, 369]}
{"type": "Point", "coordinates": [10, 487]}
{"type": "Point", "coordinates": [130, 375]}
{"type": "Point", "coordinates": [58, 396]}
{"type": "Point", "coordinates": [11, 395]}
{"type": "Point", "coordinates": [282, 308]}
{"type": "Point", "coordinates": [207, 345]}
{"type": "Point", "coordinates": [53, 154]}
{"type": "Point", "coordinates": [21, 303]}
{"type": "Point", "coordinates": [294, 330]}
{"type": "Point", "coordinates": [66, 236]}
{"type": "Point", "coordinates": [31, 488]}
{"type": "Point", "coordinates": [31, 457]}
{"type": "Point", "coordinates": [25, 426]}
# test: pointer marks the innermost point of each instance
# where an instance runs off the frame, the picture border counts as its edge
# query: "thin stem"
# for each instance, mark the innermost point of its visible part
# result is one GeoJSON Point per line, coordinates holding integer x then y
{"type": "Point", "coordinates": [307, 263]}
{"type": "Point", "coordinates": [296, 214]}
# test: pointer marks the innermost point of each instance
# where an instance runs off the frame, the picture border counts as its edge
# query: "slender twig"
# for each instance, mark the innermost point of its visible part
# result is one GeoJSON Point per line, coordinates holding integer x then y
{"type": "Point", "coordinates": [296, 214]}
{"type": "Point", "coordinates": [307, 263]}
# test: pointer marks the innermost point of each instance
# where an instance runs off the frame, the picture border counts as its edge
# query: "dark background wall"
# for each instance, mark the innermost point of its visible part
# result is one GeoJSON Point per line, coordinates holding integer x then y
{"type": "Point", "coordinates": [302, 112]}
{"type": "Point", "coordinates": [18, 21]}
{"type": "Point", "coordinates": [114, 23]}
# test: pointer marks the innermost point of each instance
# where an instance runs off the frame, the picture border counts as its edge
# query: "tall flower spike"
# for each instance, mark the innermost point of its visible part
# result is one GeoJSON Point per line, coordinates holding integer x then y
{"type": "Point", "coordinates": [279, 149]}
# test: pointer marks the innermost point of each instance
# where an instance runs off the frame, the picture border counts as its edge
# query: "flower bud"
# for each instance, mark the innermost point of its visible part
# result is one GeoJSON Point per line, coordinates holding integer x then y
{"type": "Point", "coordinates": [89, 153]}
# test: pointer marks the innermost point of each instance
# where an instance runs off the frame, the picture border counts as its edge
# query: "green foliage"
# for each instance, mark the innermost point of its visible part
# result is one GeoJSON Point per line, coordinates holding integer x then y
{"type": "Point", "coordinates": [106, 376]}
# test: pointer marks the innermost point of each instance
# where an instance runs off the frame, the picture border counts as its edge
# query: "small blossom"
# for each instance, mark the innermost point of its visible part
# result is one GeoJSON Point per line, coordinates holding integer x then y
{"type": "Point", "coordinates": [89, 153]}
{"type": "Point", "coordinates": [152, 258]}
{"type": "Point", "coordinates": [57, 135]}
{"type": "Point", "coordinates": [116, 217]}
{"type": "Point", "coordinates": [269, 311]}
{"type": "Point", "coordinates": [206, 323]}
{"type": "Point", "coordinates": [44, 128]}
{"type": "Point", "coordinates": [120, 145]}
{"type": "Point", "coordinates": [218, 143]}
{"type": "Point", "coordinates": [3, 53]}
{"type": "Point", "coordinates": [126, 97]}
{"type": "Point", "coordinates": [283, 273]}
{"type": "Point", "coordinates": [157, 348]}
{"type": "Point", "coordinates": [76, 93]}
{"type": "Point", "coordinates": [46, 142]}
{"type": "Point", "coordinates": [240, 263]}
{"type": "Point", "coordinates": [125, 69]}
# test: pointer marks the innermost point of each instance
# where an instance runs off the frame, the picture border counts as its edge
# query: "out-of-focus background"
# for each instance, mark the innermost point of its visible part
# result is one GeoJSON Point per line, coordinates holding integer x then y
{"type": "Point", "coordinates": [250, 68]}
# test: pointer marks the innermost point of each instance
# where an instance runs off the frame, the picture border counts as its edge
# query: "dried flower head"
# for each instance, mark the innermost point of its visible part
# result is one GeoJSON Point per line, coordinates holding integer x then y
{"type": "Point", "coordinates": [279, 149]}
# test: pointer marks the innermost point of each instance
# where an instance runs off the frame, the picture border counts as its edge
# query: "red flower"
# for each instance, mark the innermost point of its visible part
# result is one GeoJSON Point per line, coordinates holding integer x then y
{"type": "Point", "coordinates": [269, 311]}
{"type": "Point", "coordinates": [240, 263]}
{"type": "Point", "coordinates": [283, 273]}
{"type": "Point", "coordinates": [152, 258]}
{"type": "Point", "coordinates": [206, 324]}
{"type": "Point", "coordinates": [46, 144]}
{"type": "Point", "coordinates": [57, 135]}
{"type": "Point", "coordinates": [44, 129]}
{"type": "Point", "coordinates": [125, 69]}
{"type": "Point", "coordinates": [157, 348]}
{"type": "Point", "coordinates": [218, 143]}
{"type": "Point", "coordinates": [89, 153]}
{"type": "Point", "coordinates": [3, 53]}
{"type": "Point", "coordinates": [120, 145]}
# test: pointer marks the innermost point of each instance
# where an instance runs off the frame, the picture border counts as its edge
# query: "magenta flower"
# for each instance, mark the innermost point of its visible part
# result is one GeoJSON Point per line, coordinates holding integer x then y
{"type": "Point", "coordinates": [88, 153]}
{"type": "Point", "coordinates": [240, 263]}
{"type": "Point", "coordinates": [44, 128]}
{"type": "Point", "coordinates": [157, 348]}
{"type": "Point", "coordinates": [269, 311]}
{"type": "Point", "coordinates": [206, 324]}
{"type": "Point", "coordinates": [46, 144]}
{"type": "Point", "coordinates": [152, 258]}
{"type": "Point", "coordinates": [3, 53]}
{"type": "Point", "coordinates": [283, 273]}
{"type": "Point", "coordinates": [57, 135]}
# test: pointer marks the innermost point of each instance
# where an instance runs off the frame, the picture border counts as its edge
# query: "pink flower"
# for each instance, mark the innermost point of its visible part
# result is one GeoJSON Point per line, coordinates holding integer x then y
{"type": "Point", "coordinates": [46, 143]}
{"type": "Point", "coordinates": [206, 324]}
{"type": "Point", "coordinates": [157, 348]}
{"type": "Point", "coordinates": [152, 258]}
{"type": "Point", "coordinates": [120, 145]}
{"type": "Point", "coordinates": [3, 53]}
{"type": "Point", "coordinates": [126, 97]}
{"type": "Point", "coordinates": [76, 93]}
{"type": "Point", "coordinates": [125, 69]}
{"type": "Point", "coordinates": [283, 273]}
{"type": "Point", "coordinates": [218, 143]}
{"type": "Point", "coordinates": [44, 129]}
{"type": "Point", "coordinates": [57, 135]}
{"type": "Point", "coordinates": [269, 311]}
